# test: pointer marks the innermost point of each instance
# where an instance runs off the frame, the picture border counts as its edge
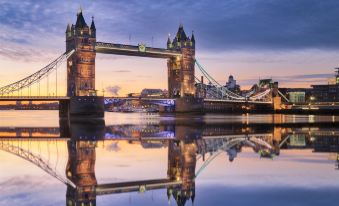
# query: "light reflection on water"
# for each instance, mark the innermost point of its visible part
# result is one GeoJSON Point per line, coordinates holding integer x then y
{"type": "Point", "coordinates": [140, 159]}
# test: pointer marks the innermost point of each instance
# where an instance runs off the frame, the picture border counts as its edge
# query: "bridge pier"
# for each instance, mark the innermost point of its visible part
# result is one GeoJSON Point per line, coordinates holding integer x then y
{"type": "Point", "coordinates": [82, 107]}
{"type": "Point", "coordinates": [86, 107]}
{"type": "Point", "coordinates": [64, 109]}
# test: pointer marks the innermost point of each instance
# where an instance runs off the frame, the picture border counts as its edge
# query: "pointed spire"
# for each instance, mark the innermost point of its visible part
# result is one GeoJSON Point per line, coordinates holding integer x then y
{"type": "Point", "coordinates": [169, 193]}
{"type": "Point", "coordinates": [81, 23]}
{"type": "Point", "coordinates": [68, 28]}
{"type": "Point", "coordinates": [193, 38]}
{"type": "Point", "coordinates": [193, 197]}
{"type": "Point", "coordinates": [181, 25]}
{"type": "Point", "coordinates": [181, 35]}
{"type": "Point", "coordinates": [169, 40]}
{"type": "Point", "coordinates": [80, 10]}
{"type": "Point", "coordinates": [92, 24]}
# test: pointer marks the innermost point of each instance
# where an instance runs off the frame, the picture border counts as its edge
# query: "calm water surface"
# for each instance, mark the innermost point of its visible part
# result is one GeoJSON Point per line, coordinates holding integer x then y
{"type": "Point", "coordinates": [147, 159]}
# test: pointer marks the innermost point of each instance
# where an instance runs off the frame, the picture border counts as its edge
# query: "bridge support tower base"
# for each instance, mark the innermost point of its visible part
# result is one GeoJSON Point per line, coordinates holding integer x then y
{"type": "Point", "coordinates": [64, 109]}
{"type": "Point", "coordinates": [82, 107]}
{"type": "Point", "coordinates": [87, 107]}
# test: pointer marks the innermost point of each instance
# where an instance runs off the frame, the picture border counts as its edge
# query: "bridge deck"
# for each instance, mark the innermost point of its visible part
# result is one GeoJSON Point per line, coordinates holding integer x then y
{"type": "Point", "coordinates": [33, 98]}
{"type": "Point", "coordinates": [58, 98]}
{"type": "Point", "coordinates": [205, 100]}
{"type": "Point", "coordinates": [139, 98]}
{"type": "Point", "coordinates": [130, 50]}
{"type": "Point", "coordinates": [236, 101]}
{"type": "Point", "coordinates": [136, 186]}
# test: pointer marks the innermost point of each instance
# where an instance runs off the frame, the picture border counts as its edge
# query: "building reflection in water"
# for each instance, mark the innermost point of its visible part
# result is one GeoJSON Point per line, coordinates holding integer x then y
{"type": "Point", "coordinates": [186, 141]}
{"type": "Point", "coordinates": [80, 167]}
{"type": "Point", "coordinates": [182, 158]}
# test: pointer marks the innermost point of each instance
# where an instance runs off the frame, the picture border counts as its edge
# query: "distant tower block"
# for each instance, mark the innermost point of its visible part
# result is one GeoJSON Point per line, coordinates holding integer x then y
{"type": "Point", "coordinates": [81, 65]}
{"type": "Point", "coordinates": [181, 80]}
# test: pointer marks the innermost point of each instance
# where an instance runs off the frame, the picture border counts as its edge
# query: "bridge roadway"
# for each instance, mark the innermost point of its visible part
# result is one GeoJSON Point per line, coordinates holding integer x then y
{"type": "Point", "coordinates": [160, 101]}
{"type": "Point", "coordinates": [135, 186]}
{"type": "Point", "coordinates": [150, 99]}
{"type": "Point", "coordinates": [235, 101]}
{"type": "Point", "coordinates": [33, 98]}
{"type": "Point", "coordinates": [130, 50]}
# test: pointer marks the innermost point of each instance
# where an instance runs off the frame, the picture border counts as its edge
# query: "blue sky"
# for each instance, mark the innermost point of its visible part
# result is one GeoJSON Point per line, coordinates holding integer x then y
{"type": "Point", "coordinates": [288, 40]}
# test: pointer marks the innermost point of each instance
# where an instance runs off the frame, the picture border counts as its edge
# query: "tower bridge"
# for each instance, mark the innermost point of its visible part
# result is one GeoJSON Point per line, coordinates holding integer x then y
{"type": "Point", "coordinates": [81, 98]}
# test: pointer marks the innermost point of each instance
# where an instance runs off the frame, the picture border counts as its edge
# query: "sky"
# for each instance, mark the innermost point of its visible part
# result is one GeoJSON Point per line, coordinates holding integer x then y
{"type": "Point", "coordinates": [293, 42]}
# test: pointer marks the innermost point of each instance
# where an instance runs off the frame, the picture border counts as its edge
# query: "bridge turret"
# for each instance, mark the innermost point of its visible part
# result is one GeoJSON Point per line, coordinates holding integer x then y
{"type": "Point", "coordinates": [93, 29]}
{"type": "Point", "coordinates": [181, 40]}
{"type": "Point", "coordinates": [80, 23]}
{"type": "Point", "coordinates": [169, 43]}
{"type": "Point", "coordinates": [68, 31]}
{"type": "Point", "coordinates": [193, 40]}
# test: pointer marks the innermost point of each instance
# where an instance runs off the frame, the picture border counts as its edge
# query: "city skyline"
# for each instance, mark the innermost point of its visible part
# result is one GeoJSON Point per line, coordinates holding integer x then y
{"type": "Point", "coordinates": [297, 48]}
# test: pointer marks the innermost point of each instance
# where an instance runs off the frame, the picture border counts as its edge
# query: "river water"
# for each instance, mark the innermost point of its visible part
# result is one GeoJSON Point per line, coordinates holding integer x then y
{"type": "Point", "coordinates": [147, 159]}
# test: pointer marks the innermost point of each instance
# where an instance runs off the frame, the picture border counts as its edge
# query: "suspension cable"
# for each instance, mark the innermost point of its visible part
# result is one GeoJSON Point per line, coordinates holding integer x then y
{"type": "Point", "coordinates": [56, 81]}
{"type": "Point", "coordinates": [223, 90]}
{"type": "Point", "coordinates": [34, 78]}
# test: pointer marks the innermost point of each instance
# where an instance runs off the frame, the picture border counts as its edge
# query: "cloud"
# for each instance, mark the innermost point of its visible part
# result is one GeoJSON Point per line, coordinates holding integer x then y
{"type": "Point", "coordinates": [34, 30]}
{"type": "Point", "coordinates": [122, 71]}
{"type": "Point", "coordinates": [144, 76]}
{"type": "Point", "coordinates": [219, 26]}
{"type": "Point", "coordinates": [113, 90]}
{"type": "Point", "coordinates": [228, 25]}
{"type": "Point", "coordinates": [34, 190]}
{"type": "Point", "coordinates": [16, 52]}
{"type": "Point", "coordinates": [299, 78]}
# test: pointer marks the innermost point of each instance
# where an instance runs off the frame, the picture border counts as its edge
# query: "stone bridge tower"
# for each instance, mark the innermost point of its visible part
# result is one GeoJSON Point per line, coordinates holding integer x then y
{"type": "Point", "coordinates": [81, 65]}
{"type": "Point", "coordinates": [181, 82]}
{"type": "Point", "coordinates": [81, 72]}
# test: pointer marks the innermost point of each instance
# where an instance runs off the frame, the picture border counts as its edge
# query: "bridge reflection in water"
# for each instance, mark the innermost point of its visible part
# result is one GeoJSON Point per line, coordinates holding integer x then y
{"type": "Point", "coordinates": [186, 142]}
